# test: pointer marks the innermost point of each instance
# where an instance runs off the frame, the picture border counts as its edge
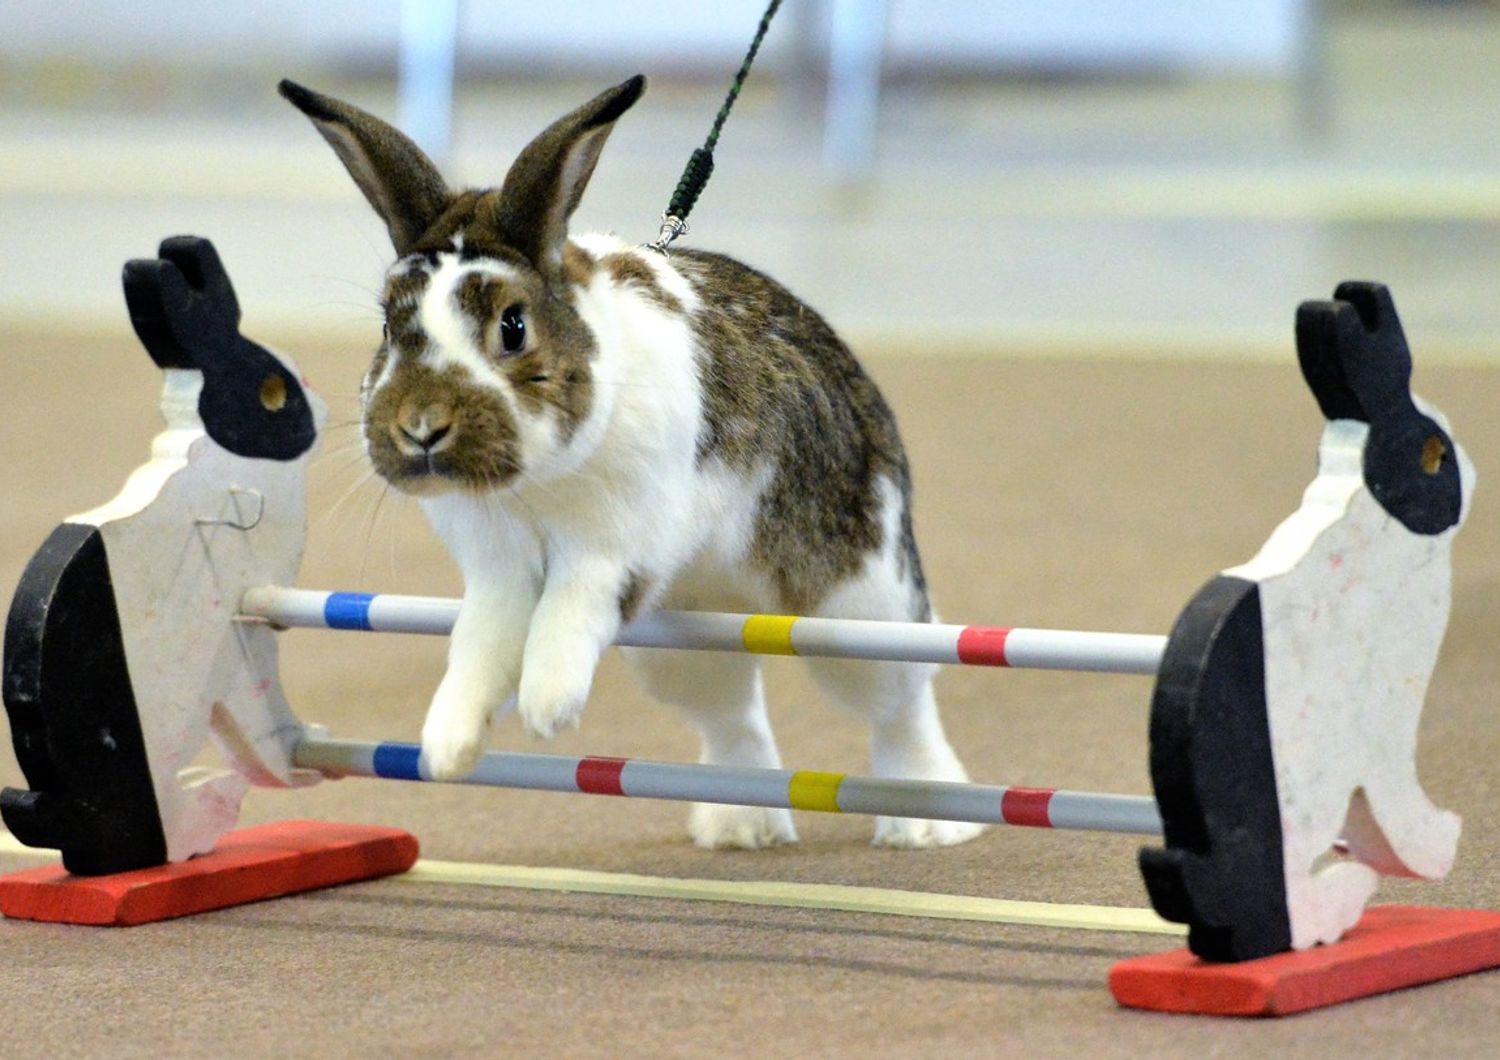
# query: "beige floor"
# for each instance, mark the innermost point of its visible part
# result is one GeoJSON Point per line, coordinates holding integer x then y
{"type": "Point", "coordinates": [1071, 494]}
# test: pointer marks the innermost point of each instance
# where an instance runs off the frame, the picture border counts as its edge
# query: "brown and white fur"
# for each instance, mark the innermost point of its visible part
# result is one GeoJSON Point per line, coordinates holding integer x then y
{"type": "Point", "coordinates": [594, 429]}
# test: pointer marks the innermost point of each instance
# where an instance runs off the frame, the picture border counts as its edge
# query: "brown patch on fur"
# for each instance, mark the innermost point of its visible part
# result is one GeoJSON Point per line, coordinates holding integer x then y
{"type": "Point", "coordinates": [780, 386]}
{"type": "Point", "coordinates": [631, 595]}
{"type": "Point", "coordinates": [628, 270]}
{"type": "Point", "coordinates": [377, 365]}
{"type": "Point", "coordinates": [472, 215]}
{"type": "Point", "coordinates": [476, 296]}
{"type": "Point", "coordinates": [560, 378]}
{"type": "Point", "coordinates": [403, 298]}
{"type": "Point", "coordinates": [552, 371]}
{"type": "Point", "coordinates": [578, 265]}
{"type": "Point", "coordinates": [481, 449]}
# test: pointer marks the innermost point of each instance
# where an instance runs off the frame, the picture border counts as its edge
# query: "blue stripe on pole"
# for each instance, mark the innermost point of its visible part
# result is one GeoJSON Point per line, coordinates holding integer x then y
{"type": "Point", "coordinates": [397, 761]}
{"type": "Point", "coordinates": [348, 610]}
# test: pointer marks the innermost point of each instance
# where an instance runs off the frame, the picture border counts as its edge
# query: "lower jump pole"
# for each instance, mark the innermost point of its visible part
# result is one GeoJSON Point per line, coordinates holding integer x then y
{"type": "Point", "coordinates": [776, 788]}
{"type": "Point", "coordinates": [1037, 649]}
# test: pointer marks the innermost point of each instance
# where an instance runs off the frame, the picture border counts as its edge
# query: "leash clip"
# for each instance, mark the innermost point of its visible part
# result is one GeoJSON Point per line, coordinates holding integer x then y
{"type": "Point", "coordinates": [672, 226]}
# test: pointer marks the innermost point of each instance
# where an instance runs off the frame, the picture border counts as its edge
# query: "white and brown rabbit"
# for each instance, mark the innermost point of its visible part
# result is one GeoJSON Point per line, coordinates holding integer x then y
{"type": "Point", "coordinates": [594, 429]}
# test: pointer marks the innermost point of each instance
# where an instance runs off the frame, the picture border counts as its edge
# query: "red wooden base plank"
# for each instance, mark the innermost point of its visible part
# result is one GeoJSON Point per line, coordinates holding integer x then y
{"type": "Point", "coordinates": [1392, 947]}
{"type": "Point", "coordinates": [248, 865]}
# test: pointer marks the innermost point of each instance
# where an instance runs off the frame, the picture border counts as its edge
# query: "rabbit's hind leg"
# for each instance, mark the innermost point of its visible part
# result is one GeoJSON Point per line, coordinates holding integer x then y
{"type": "Point", "coordinates": [906, 738]}
{"type": "Point", "coordinates": [906, 732]}
{"type": "Point", "coordinates": [723, 699]}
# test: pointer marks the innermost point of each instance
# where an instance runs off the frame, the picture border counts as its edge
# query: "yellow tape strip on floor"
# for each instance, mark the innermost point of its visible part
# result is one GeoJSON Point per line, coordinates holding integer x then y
{"type": "Point", "coordinates": [757, 892]}
{"type": "Point", "coordinates": [799, 896]}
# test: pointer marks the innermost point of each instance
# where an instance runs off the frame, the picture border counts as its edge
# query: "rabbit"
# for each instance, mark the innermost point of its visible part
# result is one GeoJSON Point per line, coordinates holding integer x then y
{"type": "Point", "coordinates": [595, 429]}
{"type": "Point", "coordinates": [1284, 725]}
{"type": "Point", "coordinates": [119, 664]}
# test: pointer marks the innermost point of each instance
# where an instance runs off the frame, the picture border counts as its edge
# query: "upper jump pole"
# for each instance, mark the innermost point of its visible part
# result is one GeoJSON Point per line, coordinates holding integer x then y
{"type": "Point", "coordinates": [1284, 774]}
{"type": "Point", "coordinates": [1037, 649]}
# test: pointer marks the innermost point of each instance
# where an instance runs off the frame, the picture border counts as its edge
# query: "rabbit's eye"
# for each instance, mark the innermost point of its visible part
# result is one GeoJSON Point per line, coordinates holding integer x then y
{"type": "Point", "coordinates": [512, 329]}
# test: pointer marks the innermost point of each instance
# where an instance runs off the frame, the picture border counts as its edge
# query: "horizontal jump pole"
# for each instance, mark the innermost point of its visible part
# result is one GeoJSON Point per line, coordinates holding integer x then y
{"type": "Point", "coordinates": [734, 786]}
{"type": "Point", "coordinates": [1037, 649]}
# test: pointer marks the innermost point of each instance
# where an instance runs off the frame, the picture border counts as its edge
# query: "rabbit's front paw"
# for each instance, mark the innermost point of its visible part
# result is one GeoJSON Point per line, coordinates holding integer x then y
{"type": "Point", "coordinates": [453, 739]}
{"type": "Point", "coordinates": [551, 701]}
{"type": "Point", "coordinates": [716, 827]}
{"type": "Point", "coordinates": [451, 755]}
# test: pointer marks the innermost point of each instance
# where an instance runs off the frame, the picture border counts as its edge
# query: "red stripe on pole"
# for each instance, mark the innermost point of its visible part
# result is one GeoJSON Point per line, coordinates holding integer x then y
{"type": "Point", "coordinates": [1027, 807]}
{"type": "Point", "coordinates": [600, 776]}
{"type": "Point", "coordinates": [982, 646]}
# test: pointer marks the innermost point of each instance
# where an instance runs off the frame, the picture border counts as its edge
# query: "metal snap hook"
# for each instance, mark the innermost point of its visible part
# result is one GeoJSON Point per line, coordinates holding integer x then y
{"type": "Point", "coordinates": [671, 227]}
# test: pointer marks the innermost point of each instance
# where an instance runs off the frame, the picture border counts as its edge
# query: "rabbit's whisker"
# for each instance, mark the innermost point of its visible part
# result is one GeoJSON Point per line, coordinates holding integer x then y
{"type": "Point", "coordinates": [329, 512]}
{"type": "Point", "coordinates": [350, 454]}
{"type": "Point", "coordinates": [374, 294]}
{"type": "Point", "coordinates": [363, 307]}
{"type": "Point", "coordinates": [370, 532]}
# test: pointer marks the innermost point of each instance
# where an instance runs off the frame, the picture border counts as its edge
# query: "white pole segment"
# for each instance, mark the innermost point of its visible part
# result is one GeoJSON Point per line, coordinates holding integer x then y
{"type": "Point", "coordinates": [413, 614]}
{"type": "Point", "coordinates": [703, 630]}
{"type": "Point", "coordinates": [1060, 649]}
{"type": "Point", "coordinates": [856, 639]}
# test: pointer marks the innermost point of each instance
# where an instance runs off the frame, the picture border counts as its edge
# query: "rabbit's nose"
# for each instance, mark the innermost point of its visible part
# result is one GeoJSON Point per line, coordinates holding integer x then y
{"type": "Point", "coordinates": [419, 431]}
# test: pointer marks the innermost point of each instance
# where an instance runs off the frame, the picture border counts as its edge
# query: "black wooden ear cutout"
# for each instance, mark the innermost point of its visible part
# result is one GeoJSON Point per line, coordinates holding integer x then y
{"type": "Point", "coordinates": [180, 301]}
{"type": "Point", "coordinates": [1410, 463]}
{"type": "Point", "coordinates": [1377, 361]}
{"type": "Point", "coordinates": [1323, 328]}
{"type": "Point", "coordinates": [184, 309]}
{"type": "Point", "coordinates": [152, 291]}
{"type": "Point", "coordinates": [1356, 360]}
{"type": "Point", "coordinates": [200, 266]}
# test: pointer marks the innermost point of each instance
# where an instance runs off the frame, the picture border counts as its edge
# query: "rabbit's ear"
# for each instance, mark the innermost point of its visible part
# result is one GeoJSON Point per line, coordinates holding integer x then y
{"type": "Point", "coordinates": [546, 181]}
{"type": "Point", "coordinates": [397, 178]}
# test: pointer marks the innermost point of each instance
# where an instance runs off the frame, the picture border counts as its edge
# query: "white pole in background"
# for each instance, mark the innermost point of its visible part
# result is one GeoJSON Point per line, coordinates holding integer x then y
{"type": "Point", "coordinates": [856, 43]}
{"type": "Point", "coordinates": [429, 41]}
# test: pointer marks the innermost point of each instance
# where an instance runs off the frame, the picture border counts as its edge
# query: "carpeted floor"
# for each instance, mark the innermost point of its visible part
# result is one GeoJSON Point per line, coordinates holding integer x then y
{"type": "Point", "coordinates": [1093, 495]}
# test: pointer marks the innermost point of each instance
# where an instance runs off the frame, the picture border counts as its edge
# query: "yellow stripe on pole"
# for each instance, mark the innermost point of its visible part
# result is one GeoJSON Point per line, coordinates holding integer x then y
{"type": "Point", "coordinates": [769, 634]}
{"type": "Point", "coordinates": [811, 790]}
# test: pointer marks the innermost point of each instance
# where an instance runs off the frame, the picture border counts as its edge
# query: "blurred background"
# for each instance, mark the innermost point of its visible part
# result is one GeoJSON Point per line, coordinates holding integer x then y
{"type": "Point", "coordinates": [1072, 177]}
{"type": "Point", "coordinates": [1068, 238]}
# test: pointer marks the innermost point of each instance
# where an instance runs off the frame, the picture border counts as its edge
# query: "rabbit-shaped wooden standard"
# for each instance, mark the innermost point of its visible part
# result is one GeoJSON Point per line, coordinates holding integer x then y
{"type": "Point", "coordinates": [594, 429]}
{"type": "Point", "coordinates": [1284, 723]}
{"type": "Point", "coordinates": [118, 607]}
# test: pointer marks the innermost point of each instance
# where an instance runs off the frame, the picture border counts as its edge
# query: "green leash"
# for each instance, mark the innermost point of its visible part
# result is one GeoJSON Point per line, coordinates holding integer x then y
{"type": "Point", "coordinates": [700, 164]}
